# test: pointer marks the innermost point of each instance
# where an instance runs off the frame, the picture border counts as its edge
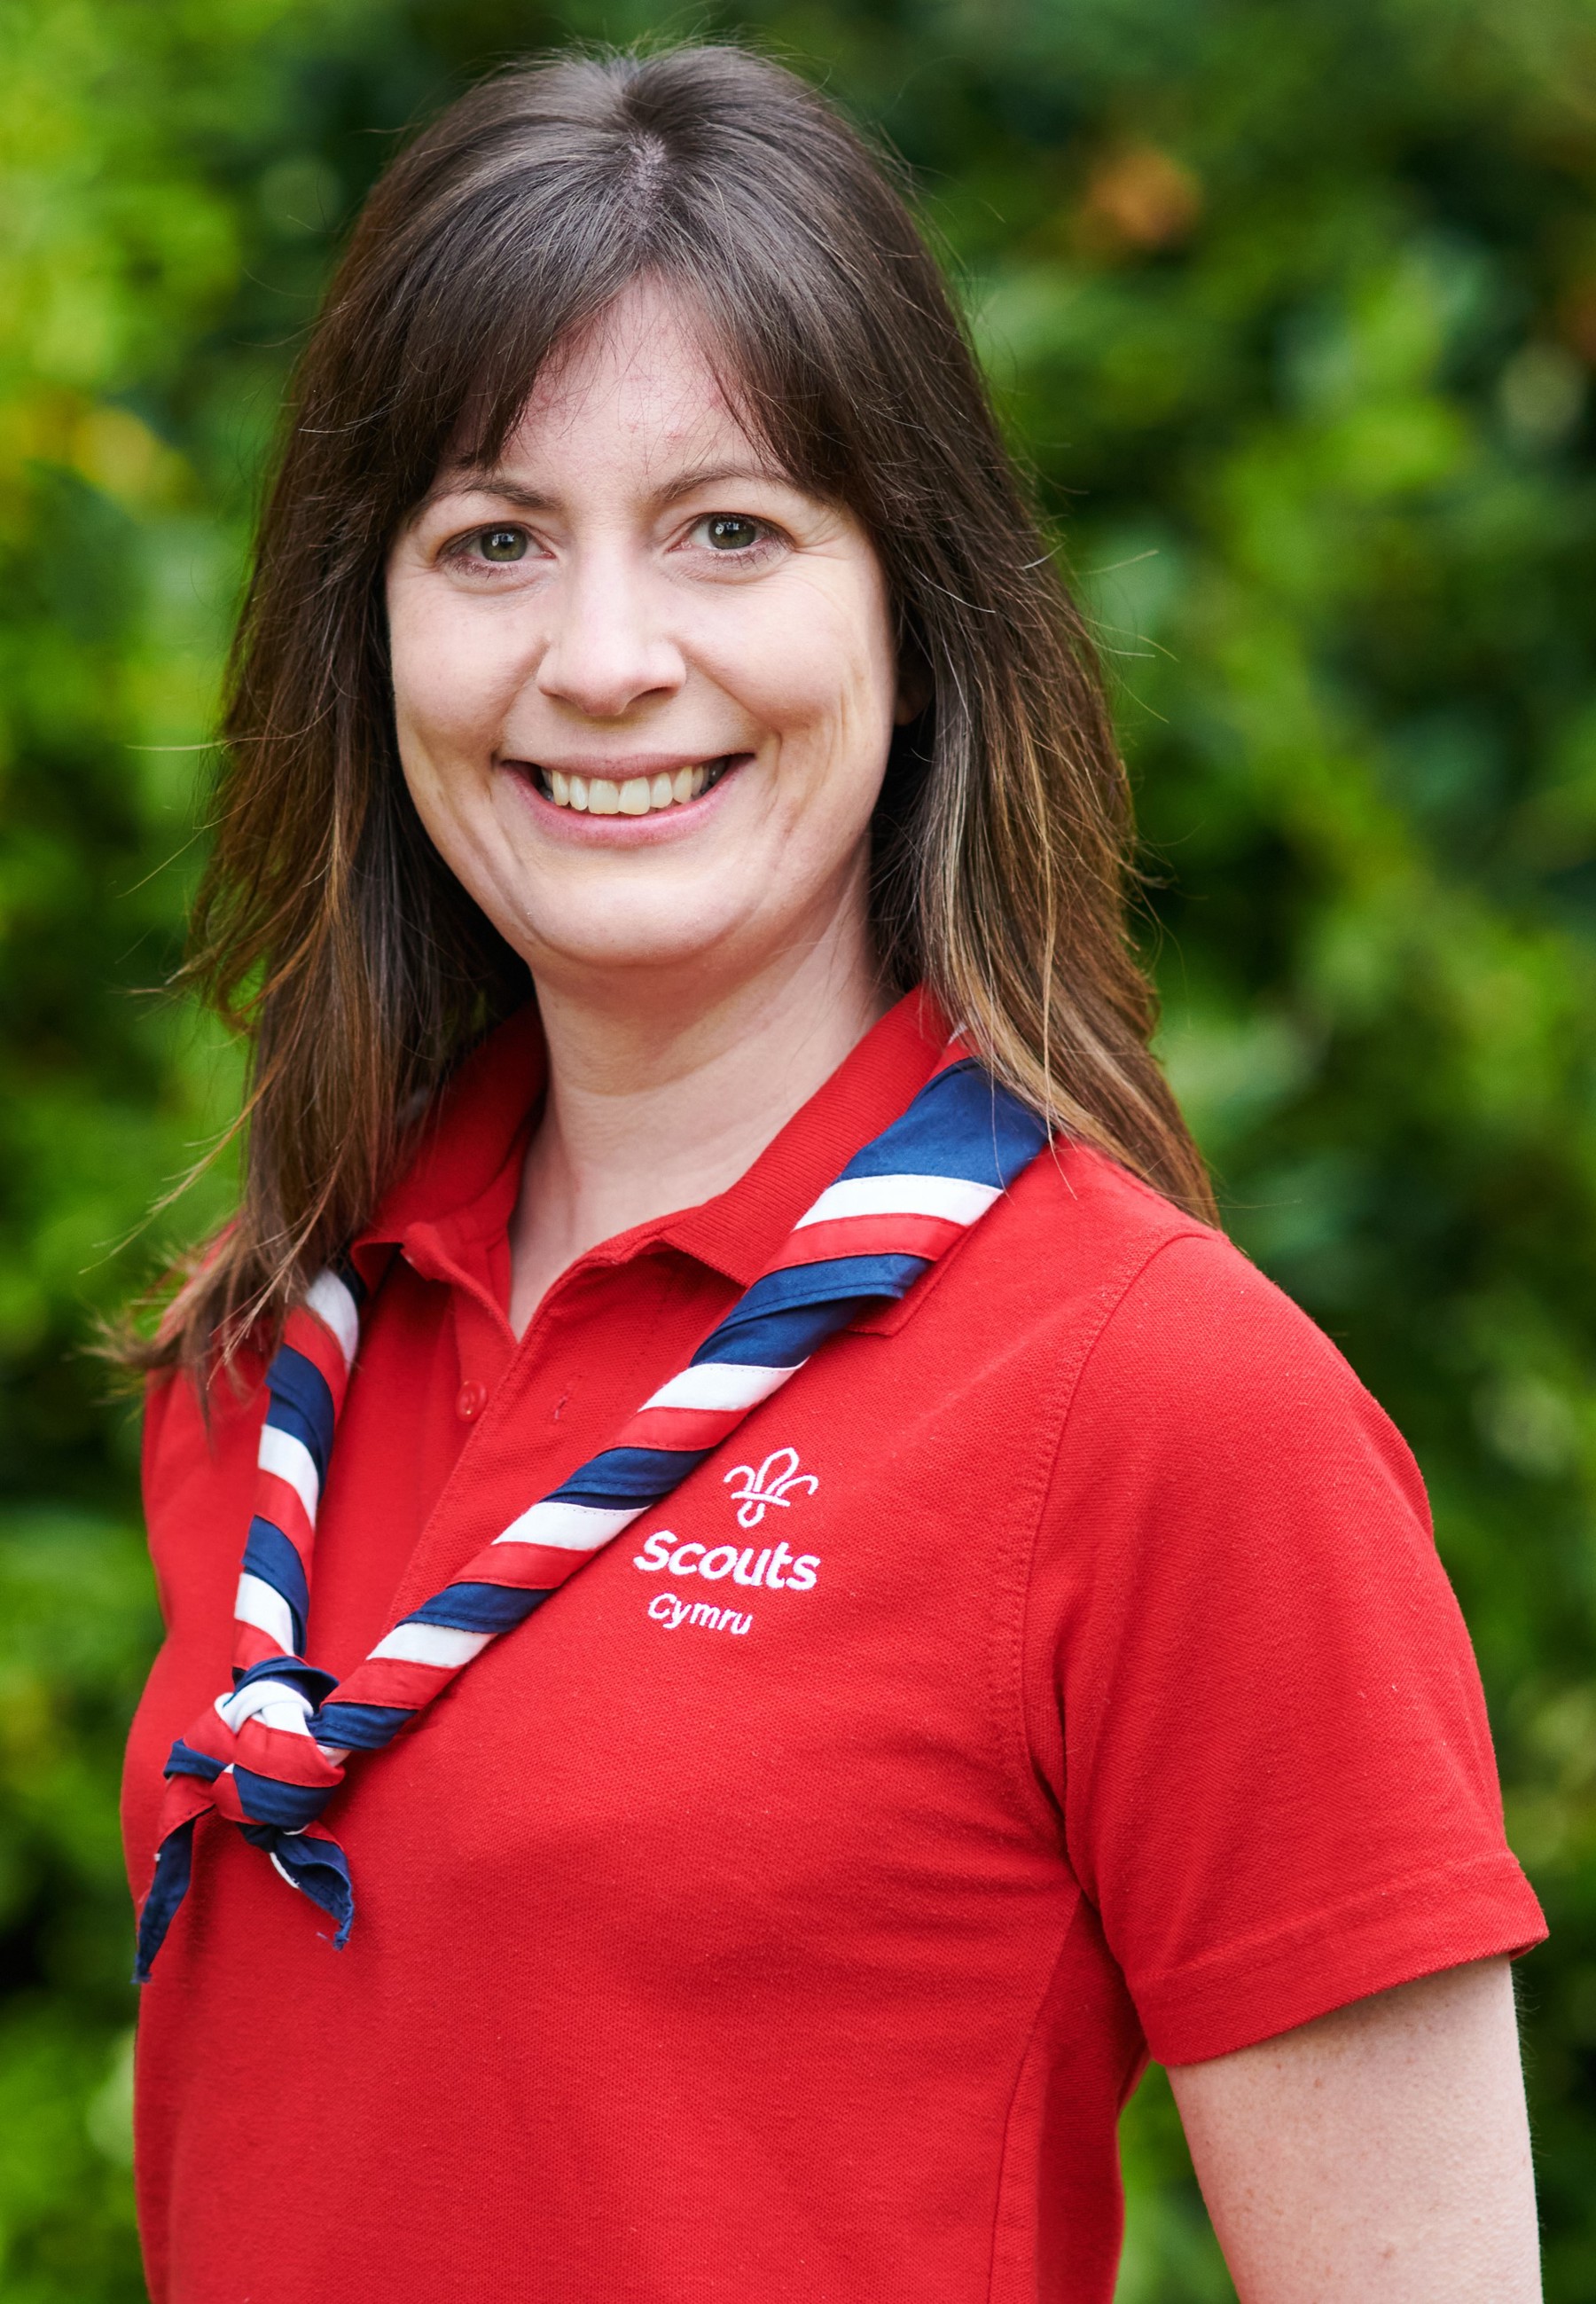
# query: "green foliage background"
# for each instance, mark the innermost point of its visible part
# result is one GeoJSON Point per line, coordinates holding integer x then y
{"type": "Point", "coordinates": [1292, 303]}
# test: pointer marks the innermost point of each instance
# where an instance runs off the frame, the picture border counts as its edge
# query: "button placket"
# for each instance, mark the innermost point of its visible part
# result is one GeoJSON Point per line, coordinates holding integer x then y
{"type": "Point", "coordinates": [514, 1421]}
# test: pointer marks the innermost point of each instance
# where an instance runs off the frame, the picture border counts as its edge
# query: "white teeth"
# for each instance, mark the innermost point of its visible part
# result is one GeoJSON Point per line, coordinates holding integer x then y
{"type": "Point", "coordinates": [638, 796]}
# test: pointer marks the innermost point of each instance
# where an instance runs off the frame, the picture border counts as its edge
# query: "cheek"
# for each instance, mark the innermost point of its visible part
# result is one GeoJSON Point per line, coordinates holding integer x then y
{"type": "Point", "coordinates": [445, 719]}
{"type": "Point", "coordinates": [818, 668]}
{"type": "Point", "coordinates": [448, 677]}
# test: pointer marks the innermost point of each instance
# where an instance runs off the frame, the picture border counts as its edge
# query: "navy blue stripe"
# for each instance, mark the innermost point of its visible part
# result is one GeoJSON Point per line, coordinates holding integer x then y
{"type": "Point", "coordinates": [843, 1286]}
{"type": "Point", "coordinates": [268, 1555]}
{"type": "Point", "coordinates": [478, 1607]}
{"type": "Point", "coordinates": [312, 1682]}
{"type": "Point", "coordinates": [301, 1403]}
{"type": "Point", "coordinates": [282, 1416]}
{"type": "Point", "coordinates": [173, 1868]}
{"type": "Point", "coordinates": [961, 1124]}
{"type": "Point", "coordinates": [617, 1477]}
{"type": "Point", "coordinates": [786, 1315]}
{"type": "Point", "coordinates": [782, 1340]}
{"type": "Point", "coordinates": [363, 1727]}
{"type": "Point", "coordinates": [266, 1800]}
{"type": "Point", "coordinates": [183, 1760]}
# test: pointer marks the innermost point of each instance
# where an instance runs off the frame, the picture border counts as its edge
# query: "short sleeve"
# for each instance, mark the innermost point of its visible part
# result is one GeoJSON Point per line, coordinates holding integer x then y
{"type": "Point", "coordinates": [1250, 1686]}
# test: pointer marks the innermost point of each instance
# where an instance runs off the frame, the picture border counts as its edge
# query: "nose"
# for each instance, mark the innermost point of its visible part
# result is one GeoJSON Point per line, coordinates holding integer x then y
{"type": "Point", "coordinates": [608, 649]}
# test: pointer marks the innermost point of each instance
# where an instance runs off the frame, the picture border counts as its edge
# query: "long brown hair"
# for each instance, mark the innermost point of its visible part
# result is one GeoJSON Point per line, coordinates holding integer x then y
{"type": "Point", "coordinates": [327, 928]}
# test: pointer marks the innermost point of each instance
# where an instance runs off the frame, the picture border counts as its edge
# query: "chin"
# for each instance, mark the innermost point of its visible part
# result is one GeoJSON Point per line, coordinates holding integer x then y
{"type": "Point", "coordinates": [623, 941]}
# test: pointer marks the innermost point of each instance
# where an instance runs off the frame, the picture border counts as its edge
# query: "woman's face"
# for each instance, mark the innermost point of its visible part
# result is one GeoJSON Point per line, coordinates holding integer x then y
{"type": "Point", "coordinates": [645, 685]}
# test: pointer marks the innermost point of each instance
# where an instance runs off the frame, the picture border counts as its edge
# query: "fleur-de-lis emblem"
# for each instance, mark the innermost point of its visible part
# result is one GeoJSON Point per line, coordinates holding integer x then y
{"type": "Point", "coordinates": [770, 1485]}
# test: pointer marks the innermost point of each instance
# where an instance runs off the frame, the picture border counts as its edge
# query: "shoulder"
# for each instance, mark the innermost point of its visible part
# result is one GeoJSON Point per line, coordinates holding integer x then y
{"type": "Point", "coordinates": [185, 1432]}
{"type": "Point", "coordinates": [1175, 1346]}
{"type": "Point", "coordinates": [1077, 1231]}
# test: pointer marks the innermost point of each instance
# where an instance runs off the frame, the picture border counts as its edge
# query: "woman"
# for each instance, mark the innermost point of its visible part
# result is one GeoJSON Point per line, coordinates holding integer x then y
{"type": "Point", "coordinates": [837, 1624]}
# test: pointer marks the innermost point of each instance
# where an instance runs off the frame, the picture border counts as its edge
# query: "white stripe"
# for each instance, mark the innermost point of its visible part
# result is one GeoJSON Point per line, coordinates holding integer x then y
{"type": "Point", "coordinates": [568, 1528]}
{"type": "Point", "coordinates": [718, 1384]}
{"type": "Point", "coordinates": [278, 1703]}
{"type": "Point", "coordinates": [331, 1301]}
{"type": "Point", "coordinates": [261, 1603]}
{"type": "Point", "coordinates": [437, 1644]}
{"type": "Point", "coordinates": [953, 1198]}
{"type": "Point", "coordinates": [286, 1456]}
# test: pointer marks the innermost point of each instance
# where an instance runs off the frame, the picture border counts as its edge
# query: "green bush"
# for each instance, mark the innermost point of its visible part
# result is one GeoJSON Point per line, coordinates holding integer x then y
{"type": "Point", "coordinates": [1293, 309]}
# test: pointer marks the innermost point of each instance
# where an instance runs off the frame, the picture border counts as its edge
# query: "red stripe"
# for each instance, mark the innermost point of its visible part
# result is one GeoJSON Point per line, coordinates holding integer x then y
{"type": "Point", "coordinates": [285, 1757]}
{"type": "Point", "coordinates": [276, 1501]}
{"type": "Point", "coordinates": [185, 1798]}
{"type": "Point", "coordinates": [523, 1567]}
{"type": "Point", "coordinates": [211, 1735]}
{"type": "Point", "coordinates": [307, 1333]}
{"type": "Point", "coordinates": [895, 1235]}
{"type": "Point", "coordinates": [225, 1799]}
{"type": "Point", "coordinates": [391, 1680]}
{"type": "Point", "coordinates": [677, 1427]}
{"type": "Point", "coordinates": [252, 1645]}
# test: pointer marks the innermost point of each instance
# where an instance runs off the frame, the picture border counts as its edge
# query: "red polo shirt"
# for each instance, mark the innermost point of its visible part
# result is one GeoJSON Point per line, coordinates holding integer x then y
{"type": "Point", "coordinates": [798, 1941]}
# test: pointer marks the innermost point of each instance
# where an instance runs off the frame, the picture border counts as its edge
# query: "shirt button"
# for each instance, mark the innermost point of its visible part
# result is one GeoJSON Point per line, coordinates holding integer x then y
{"type": "Point", "coordinates": [470, 1401]}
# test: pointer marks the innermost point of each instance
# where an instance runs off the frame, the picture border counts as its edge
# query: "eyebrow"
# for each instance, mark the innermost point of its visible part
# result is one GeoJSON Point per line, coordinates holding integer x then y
{"type": "Point", "coordinates": [465, 480]}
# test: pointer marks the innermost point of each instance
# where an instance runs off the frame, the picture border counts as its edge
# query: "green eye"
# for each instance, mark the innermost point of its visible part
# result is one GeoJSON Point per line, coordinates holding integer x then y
{"type": "Point", "coordinates": [729, 531]}
{"type": "Point", "coordinates": [503, 544]}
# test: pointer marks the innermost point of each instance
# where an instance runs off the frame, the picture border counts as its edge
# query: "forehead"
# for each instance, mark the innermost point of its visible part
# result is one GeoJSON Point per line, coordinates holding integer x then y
{"type": "Point", "coordinates": [640, 385]}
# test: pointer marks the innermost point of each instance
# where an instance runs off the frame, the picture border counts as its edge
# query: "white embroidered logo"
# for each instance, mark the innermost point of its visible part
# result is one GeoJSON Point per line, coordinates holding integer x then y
{"type": "Point", "coordinates": [768, 1485]}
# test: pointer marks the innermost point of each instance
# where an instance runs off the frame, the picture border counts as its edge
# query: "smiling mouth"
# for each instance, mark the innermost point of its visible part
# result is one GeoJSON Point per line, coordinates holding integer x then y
{"type": "Point", "coordinates": [634, 795]}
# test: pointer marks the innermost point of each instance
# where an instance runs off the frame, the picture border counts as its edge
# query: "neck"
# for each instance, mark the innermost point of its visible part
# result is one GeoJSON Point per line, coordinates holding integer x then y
{"type": "Point", "coordinates": [660, 1097]}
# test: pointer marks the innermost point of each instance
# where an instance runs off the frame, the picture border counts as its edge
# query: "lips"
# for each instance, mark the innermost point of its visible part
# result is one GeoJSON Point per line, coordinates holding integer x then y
{"type": "Point", "coordinates": [649, 794]}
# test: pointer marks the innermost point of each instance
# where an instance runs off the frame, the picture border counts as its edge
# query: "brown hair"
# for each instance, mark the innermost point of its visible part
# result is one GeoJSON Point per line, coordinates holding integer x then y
{"type": "Point", "coordinates": [328, 928]}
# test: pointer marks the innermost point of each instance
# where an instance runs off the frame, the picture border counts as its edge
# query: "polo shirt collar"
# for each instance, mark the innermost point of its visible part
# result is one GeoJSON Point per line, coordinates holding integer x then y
{"type": "Point", "coordinates": [464, 1173]}
{"type": "Point", "coordinates": [464, 1176]}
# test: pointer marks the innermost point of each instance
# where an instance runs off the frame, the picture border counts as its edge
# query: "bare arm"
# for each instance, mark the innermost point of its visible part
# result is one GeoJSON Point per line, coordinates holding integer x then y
{"type": "Point", "coordinates": [1381, 2155]}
